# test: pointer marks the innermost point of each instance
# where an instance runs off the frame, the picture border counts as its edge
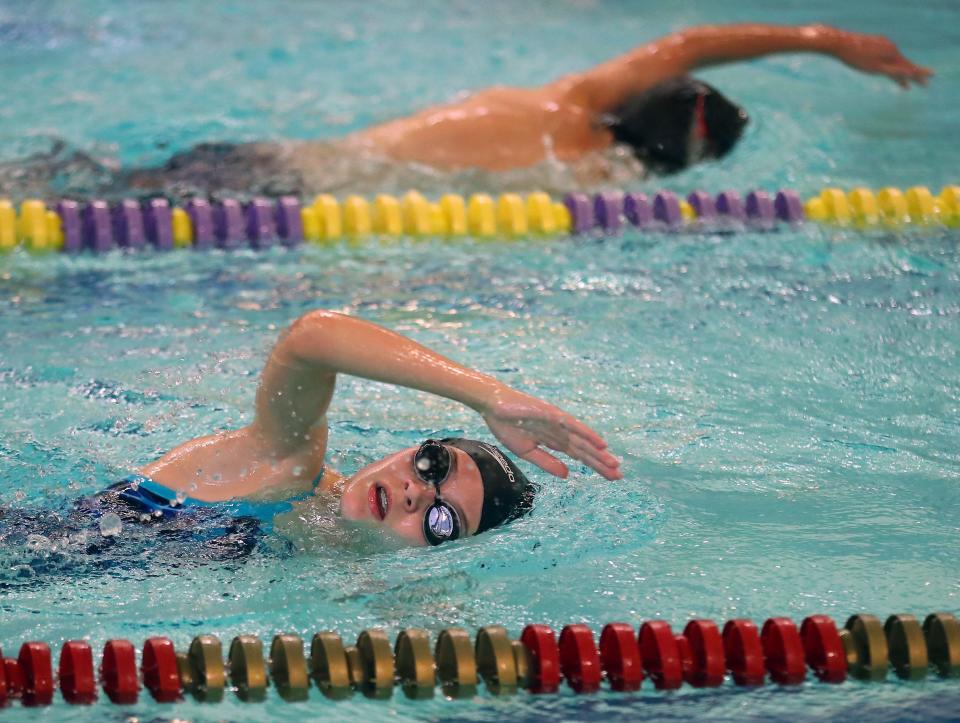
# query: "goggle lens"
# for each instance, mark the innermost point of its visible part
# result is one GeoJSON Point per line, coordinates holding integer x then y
{"type": "Point", "coordinates": [441, 523]}
{"type": "Point", "coordinates": [432, 464]}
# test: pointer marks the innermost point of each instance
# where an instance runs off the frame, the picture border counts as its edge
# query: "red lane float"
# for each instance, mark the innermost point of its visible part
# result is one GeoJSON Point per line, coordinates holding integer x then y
{"type": "Point", "coordinates": [620, 657]}
{"type": "Point", "coordinates": [158, 665]}
{"type": "Point", "coordinates": [744, 652]}
{"type": "Point", "coordinates": [78, 684]}
{"type": "Point", "coordinates": [707, 660]}
{"type": "Point", "coordinates": [579, 659]}
{"type": "Point", "coordinates": [118, 670]}
{"type": "Point", "coordinates": [3, 681]}
{"type": "Point", "coordinates": [541, 642]}
{"type": "Point", "coordinates": [783, 651]}
{"type": "Point", "coordinates": [701, 655]}
{"type": "Point", "coordinates": [660, 656]}
{"type": "Point", "coordinates": [823, 648]}
{"type": "Point", "coordinates": [686, 657]}
{"type": "Point", "coordinates": [34, 660]}
{"type": "Point", "coordinates": [14, 675]}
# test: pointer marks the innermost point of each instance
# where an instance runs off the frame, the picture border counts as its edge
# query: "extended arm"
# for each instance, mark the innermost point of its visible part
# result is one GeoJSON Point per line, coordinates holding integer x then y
{"type": "Point", "coordinates": [608, 84]}
{"type": "Point", "coordinates": [297, 385]}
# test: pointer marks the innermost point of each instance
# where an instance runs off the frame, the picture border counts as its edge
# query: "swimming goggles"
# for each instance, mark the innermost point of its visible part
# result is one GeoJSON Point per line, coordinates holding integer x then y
{"type": "Point", "coordinates": [432, 464]}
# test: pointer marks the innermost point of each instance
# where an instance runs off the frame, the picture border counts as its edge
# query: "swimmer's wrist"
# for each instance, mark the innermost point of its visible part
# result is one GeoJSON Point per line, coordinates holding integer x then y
{"type": "Point", "coordinates": [486, 394]}
{"type": "Point", "coordinates": [823, 38]}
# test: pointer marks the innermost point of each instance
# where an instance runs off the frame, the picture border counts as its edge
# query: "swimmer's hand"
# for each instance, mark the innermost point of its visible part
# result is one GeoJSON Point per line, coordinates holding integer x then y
{"type": "Point", "coordinates": [878, 54]}
{"type": "Point", "coordinates": [525, 425]}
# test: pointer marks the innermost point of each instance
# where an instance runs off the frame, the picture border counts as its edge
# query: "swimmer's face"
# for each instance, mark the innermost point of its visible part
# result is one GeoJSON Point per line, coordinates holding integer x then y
{"type": "Point", "coordinates": [389, 493]}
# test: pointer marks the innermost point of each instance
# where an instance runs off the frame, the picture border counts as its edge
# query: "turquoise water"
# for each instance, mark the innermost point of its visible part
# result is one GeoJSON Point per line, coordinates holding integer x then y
{"type": "Point", "coordinates": [786, 404]}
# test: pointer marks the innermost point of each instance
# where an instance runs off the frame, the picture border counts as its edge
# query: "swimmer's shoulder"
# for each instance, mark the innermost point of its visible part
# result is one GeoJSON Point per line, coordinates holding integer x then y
{"type": "Point", "coordinates": [329, 480]}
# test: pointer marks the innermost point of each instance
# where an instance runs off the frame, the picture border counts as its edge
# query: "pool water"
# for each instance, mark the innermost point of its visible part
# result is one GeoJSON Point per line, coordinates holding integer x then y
{"type": "Point", "coordinates": [786, 404]}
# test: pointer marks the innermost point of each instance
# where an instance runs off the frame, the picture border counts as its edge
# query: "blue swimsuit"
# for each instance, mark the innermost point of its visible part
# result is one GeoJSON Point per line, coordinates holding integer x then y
{"type": "Point", "coordinates": [156, 528]}
{"type": "Point", "coordinates": [152, 498]}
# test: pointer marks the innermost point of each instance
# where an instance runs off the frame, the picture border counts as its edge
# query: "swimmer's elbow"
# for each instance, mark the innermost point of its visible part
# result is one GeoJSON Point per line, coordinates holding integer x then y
{"type": "Point", "coordinates": [318, 319]}
{"type": "Point", "coordinates": [319, 322]}
{"type": "Point", "coordinates": [309, 331]}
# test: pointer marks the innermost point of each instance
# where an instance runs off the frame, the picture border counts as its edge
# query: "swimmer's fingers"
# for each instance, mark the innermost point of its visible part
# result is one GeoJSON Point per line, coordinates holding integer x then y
{"type": "Point", "coordinates": [547, 462]}
{"type": "Point", "coordinates": [903, 79]}
{"type": "Point", "coordinates": [921, 76]}
{"type": "Point", "coordinates": [575, 427]}
{"type": "Point", "coordinates": [903, 72]}
{"type": "Point", "coordinates": [599, 460]}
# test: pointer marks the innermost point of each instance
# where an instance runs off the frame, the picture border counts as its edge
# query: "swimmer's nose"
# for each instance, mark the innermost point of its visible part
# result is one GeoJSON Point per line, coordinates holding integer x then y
{"type": "Point", "coordinates": [416, 496]}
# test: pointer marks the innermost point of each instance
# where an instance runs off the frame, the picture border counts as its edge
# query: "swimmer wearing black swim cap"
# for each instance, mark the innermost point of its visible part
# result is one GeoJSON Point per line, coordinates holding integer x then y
{"type": "Point", "coordinates": [438, 491]}
{"type": "Point", "coordinates": [677, 123]}
{"type": "Point", "coordinates": [644, 100]}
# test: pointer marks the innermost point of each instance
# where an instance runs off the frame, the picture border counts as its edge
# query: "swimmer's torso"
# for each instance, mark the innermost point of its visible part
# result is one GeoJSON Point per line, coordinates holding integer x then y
{"type": "Point", "coordinates": [496, 129]}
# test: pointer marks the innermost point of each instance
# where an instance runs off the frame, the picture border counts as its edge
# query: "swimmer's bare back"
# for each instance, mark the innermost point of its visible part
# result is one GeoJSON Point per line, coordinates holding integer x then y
{"type": "Point", "coordinates": [502, 128]}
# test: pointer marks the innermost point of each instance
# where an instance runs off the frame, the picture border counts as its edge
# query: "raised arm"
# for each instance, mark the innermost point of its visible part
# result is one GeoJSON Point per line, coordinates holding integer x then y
{"type": "Point", "coordinates": [608, 84]}
{"type": "Point", "coordinates": [297, 385]}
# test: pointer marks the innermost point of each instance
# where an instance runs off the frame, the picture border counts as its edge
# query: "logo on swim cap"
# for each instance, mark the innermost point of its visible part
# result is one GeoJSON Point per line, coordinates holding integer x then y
{"type": "Point", "coordinates": [495, 453]}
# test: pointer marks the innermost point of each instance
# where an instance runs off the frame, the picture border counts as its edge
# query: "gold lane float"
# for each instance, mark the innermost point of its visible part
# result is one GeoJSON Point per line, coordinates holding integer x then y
{"type": "Point", "coordinates": [704, 655]}
{"type": "Point", "coordinates": [97, 226]}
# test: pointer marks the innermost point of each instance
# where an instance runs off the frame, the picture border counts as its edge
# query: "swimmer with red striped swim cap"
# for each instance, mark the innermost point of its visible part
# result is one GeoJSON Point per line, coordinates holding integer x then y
{"type": "Point", "coordinates": [437, 491]}
{"type": "Point", "coordinates": [644, 101]}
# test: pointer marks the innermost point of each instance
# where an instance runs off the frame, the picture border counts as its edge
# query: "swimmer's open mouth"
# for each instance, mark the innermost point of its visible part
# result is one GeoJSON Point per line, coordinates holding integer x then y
{"type": "Point", "coordinates": [379, 499]}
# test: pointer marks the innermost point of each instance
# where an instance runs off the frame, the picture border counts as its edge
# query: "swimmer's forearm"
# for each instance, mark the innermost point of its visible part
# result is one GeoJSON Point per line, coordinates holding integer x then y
{"type": "Point", "coordinates": [609, 84]}
{"type": "Point", "coordinates": [716, 44]}
{"type": "Point", "coordinates": [344, 344]}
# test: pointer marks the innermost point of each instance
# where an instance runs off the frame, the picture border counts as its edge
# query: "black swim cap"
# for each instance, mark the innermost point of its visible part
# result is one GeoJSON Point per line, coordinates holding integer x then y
{"type": "Point", "coordinates": [657, 123]}
{"type": "Point", "coordinates": [507, 493]}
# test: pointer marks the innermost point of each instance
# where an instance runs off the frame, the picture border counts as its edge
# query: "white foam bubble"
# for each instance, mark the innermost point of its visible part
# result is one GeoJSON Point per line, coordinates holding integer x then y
{"type": "Point", "coordinates": [111, 525]}
{"type": "Point", "coordinates": [38, 543]}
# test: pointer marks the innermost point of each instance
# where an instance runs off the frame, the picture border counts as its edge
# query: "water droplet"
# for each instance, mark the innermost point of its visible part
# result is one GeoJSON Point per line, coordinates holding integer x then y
{"type": "Point", "coordinates": [145, 517]}
{"type": "Point", "coordinates": [297, 471]}
{"type": "Point", "coordinates": [19, 495]}
{"type": "Point", "coordinates": [135, 484]}
{"type": "Point", "coordinates": [38, 543]}
{"type": "Point", "coordinates": [158, 513]}
{"type": "Point", "coordinates": [181, 496]}
{"type": "Point", "coordinates": [110, 525]}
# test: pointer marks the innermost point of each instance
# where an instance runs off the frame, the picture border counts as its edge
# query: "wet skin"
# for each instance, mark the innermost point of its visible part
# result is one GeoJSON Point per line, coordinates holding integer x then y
{"type": "Point", "coordinates": [388, 493]}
